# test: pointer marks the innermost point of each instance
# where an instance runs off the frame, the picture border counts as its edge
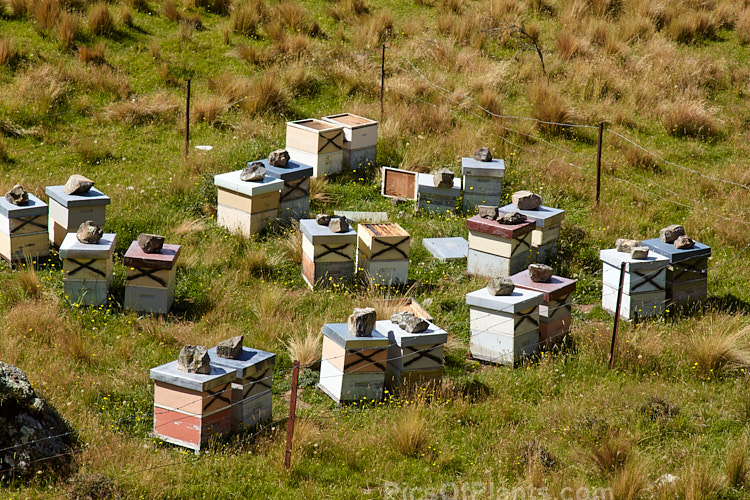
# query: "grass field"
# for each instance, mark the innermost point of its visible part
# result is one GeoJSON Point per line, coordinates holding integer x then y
{"type": "Point", "coordinates": [99, 89]}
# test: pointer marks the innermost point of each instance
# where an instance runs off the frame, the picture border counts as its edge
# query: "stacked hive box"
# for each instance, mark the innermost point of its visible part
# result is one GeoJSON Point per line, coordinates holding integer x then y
{"type": "Point", "coordinates": [23, 230]}
{"type": "Point", "coordinates": [251, 388]}
{"type": "Point", "coordinates": [150, 278]}
{"type": "Point", "coordinates": [316, 143]}
{"type": "Point", "coordinates": [246, 208]}
{"type": "Point", "coordinates": [413, 358]}
{"type": "Point", "coordinates": [352, 368]}
{"type": "Point", "coordinates": [556, 307]}
{"type": "Point", "coordinates": [687, 272]}
{"type": "Point", "coordinates": [545, 235]}
{"type": "Point", "coordinates": [87, 269]}
{"type": "Point", "coordinates": [294, 200]}
{"type": "Point", "coordinates": [483, 182]}
{"type": "Point", "coordinates": [327, 257]}
{"type": "Point", "coordinates": [383, 253]}
{"type": "Point", "coordinates": [504, 328]}
{"type": "Point", "coordinates": [68, 211]}
{"type": "Point", "coordinates": [643, 292]}
{"type": "Point", "coordinates": [360, 139]}
{"type": "Point", "coordinates": [190, 408]}
{"type": "Point", "coordinates": [434, 199]}
{"type": "Point", "coordinates": [498, 249]}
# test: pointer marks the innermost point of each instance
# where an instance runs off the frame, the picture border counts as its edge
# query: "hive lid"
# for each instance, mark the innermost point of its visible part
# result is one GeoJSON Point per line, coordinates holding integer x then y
{"type": "Point", "coordinates": [520, 300]}
{"type": "Point", "coordinates": [315, 233]}
{"type": "Point", "coordinates": [249, 361]}
{"type": "Point", "coordinates": [543, 216]}
{"type": "Point", "coordinates": [136, 257]}
{"type": "Point", "coordinates": [426, 184]}
{"type": "Point", "coordinates": [169, 374]}
{"type": "Point", "coordinates": [231, 181]}
{"type": "Point", "coordinates": [339, 333]}
{"type": "Point", "coordinates": [472, 167]}
{"type": "Point", "coordinates": [92, 197]}
{"type": "Point", "coordinates": [433, 334]}
{"type": "Point", "coordinates": [614, 258]}
{"type": "Point", "coordinates": [292, 172]}
{"type": "Point", "coordinates": [676, 254]}
{"type": "Point", "coordinates": [11, 211]}
{"type": "Point", "coordinates": [508, 231]}
{"type": "Point", "coordinates": [71, 248]}
{"type": "Point", "coordinates": [555, 288]}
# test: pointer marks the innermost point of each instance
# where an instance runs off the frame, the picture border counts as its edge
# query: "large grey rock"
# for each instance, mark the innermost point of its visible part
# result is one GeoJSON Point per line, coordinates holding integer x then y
{"type": "Point", "coordinates": [338, 225]}
{"type": "Point", "coordinates": [526, 200]}
{"type": "Point", "coordinates": [323, 219]}
{"type": "Point", "coordinates": [34, 438]}
{"type": "Point", "coordinates": [625, 246]}
{"type": "Point", "coordinates": [77, 184]}
{"type": "Point", "coordinates": [443, 178]}
{"type": "Point", "coordinates": [483, 154]}
{"type": "Point", "coordinates": [17, 196]}
{"type": "Point", "coordinates": [254, 172]}
{"type": "Point", "coordinates": [408, 321]}
{"type": "Point", "coordinates": [362, 322]}
{"type": "Point", "coordinates": [487, 212]}
{"type": "Point", "coordinates": [684, 242]}
{"type": "Point", "coordinates": [230, 348]}
{"type": "Point", "coordinates": [639, 253]}
{"type": "Point", "coordinates": [279, 158]}
{"type": "Point", "coordinates": [540, 273]}
{"type": "Point", "coordinates": [89, 232]}
{"type": "Point", "coordinates": [194, 359]}
{"type": "Point", "coordinates": [671, 233]}
{"type": "Point", "coordinates": [150, 243]}
{"type": "Point", "coordinates": [511, 218]}
{"type": "Point", "coordinates": [500, 286]}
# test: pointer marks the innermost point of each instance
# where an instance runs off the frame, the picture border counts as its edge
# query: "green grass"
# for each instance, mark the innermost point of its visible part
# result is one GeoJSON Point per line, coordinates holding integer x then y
{"type": "Point", "coordinates": [92, 363]}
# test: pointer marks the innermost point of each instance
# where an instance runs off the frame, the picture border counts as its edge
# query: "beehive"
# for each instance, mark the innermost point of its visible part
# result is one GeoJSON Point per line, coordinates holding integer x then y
{"type": "Point", "coordinates": [504, 329]}
{"type": "Point", "coordinates": [327, 257]}
{"type": "Point", "coordinates": [434, 199]}
{"type": "Point", "coordinates": [150, 278]}
{"type": "Point", "coordinates": [687, 272]}
{"type": "Point", "coordinates": [383, 253]}
{"type": "Point", "coordinates": [352, 368]}
{"type": "Point", "coordinates": [251, 388]}
{"type": "Point", "coordinates": [190, 408]}
{"type": "Point", "coordinates": [413, 358]}
{"type": "Point", "coordinates": [360, 139]}
{"type": "Point", "coordinates": [23, 230]}
{"type": "Point", "coordinates": [498, 249]}
{"type": "Point", "coordinates": [482, 182]}
{"type": "Point", "coordinates": [556, 307]}
{"type": "Point", "coordinates": [294, 199]}
{"type": "Point", "coordinates": [246, 208]}
{"type": "Point", "coordinates": [547, 231]}
{"type": "Point", "coordinates": [644, 287]}
{"type": "Point", "coordinates": [87, 269]}
{"type": "Point", "coordinates": [68, 211]}
{"type": "Point", "coordinates": [316, 143]}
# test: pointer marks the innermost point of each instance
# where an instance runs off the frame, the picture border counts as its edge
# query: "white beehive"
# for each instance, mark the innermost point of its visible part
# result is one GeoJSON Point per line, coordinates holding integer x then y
{"type": "Point", "coordinates": [316, 143]}
{"type": "Point", "coordinates": [644, 286]}
{"type": "Point", "coordinates": [434, 199]}
{"type": "Point", "coordinates": [383, 253]}
{"type": "Point", "coordinates": [556, 307]}
{"type": "Point", "coordinates": [687, 272]}
{"type": "Point", "coordinates": [294, 199]}
{"type": "Point", "coordinates": [150, 278]}
{"type": "Point", "coordinates": [360, 139]}
{"type": "Point", "coordinates": [246, 208]}
{"type": "Point", "coordinates": [23, 230]}
{"type": "Point", "coordinates": [497, 249]}
{"type": "Point", "coordinates": [482, 182]}
{"type": "Point", "coordinates": [413, 358]}
{"type": "Point", "coordinates": [68, 211]}
{"type": "Point", "coordinates": [87, 269]}
{"type": "Point", "coordinates": [327, 257]}
{"type": "Point", "coordinates": [547, 231]}
{"type": "Point", "coordinates": [504, 328]}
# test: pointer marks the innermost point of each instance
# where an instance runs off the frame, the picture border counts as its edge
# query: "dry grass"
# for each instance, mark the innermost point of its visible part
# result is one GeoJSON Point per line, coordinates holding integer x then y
{"type": "Point", "coordinates": [410, 433]}
{"type": "Point", "coordinates": [161, 107]}
{"type": "Point", "coordinates": [126, 16]}
{"type": "Point", "coordinates": [9, 56]}
{"type": "Point", "coordinates": [216, 6]}
{"type": "Point", "coordinates": [349, 9]}
{"type": "Point", "coordinates": [248, 16]}
{"type": "Point", "coordinates": [209, 109]}
{"type": "Point", "coordinates": [639, 159]}
{"type": "Point", "coordinates": [306, 348]}
{"type": "Point", "coordinates": [93, 55]}
{"type": "Point", "coordinates": [374, 29]}
{"type": "Point", "coordinates": [699, 482]}
{"type": "Point", "coordinates": [742, 27]}
{"type": "Point", "coordinates": [290, 245]}
{"type": "Point", "coordinates": [29, 281]}
{"type": "Point", "coordinates": [548, 106]}
{"type": "Point", "coordinates": [569, 45]}
{"type": "Point", "coordinates": [611, 453]}
{"type": "Point", "coordinates": [139, 5]}
{"type": "Point", "coordinates": [631, 482]}
{"type": "Point", "coordinates": [17, 8]}
{"type": "Point", "coordinates": [255, 55]}
{"type": "Point", "coordinates": [68, 29]}
{"type": "Point", "coordinates": [265, 95]}
{"type": "Point", "coordinates": [690, 118]}
{"type": "Point", "coordinates": [719, 344]}
{"type": "Point", "coordinates": [170, 11]}
{"type": "Point", "coordinates": [100, 20]}
{"type": "Point", "coordinates": [738, 465]}
{"type": "Point", "coordinates": [693, 26]}
{"type": "Point", "coordinates": [45, 13]}
{"type": "Point", "coordinates": [320, 192]}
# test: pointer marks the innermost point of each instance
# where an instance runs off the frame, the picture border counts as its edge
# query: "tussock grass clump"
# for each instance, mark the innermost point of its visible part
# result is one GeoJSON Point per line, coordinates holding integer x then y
{"type": "Point", "coordinates": [9, 55]}
{"type": "Point", "coordinates": [265, 95]}
{"type": "Point", "coordinates": [139, 5]}
{"type": "Point", "coordinates": [159, 107]}
{"type": "Point", "coordinates": [320, 191]}
{"type": "Point", "coordinates": [93, 55]}
{"type": "Point", "coordinates": [639, 159]}
{"type": "Point", "coordinates": [631, 482]}
{"type": "Point", "coordinates": [86, 485]}
{"type": "Point", "coordinates": [721, 345]}
{"type": "Point", "coordinates": [548, 106]}
{"type": "Point", "coordinates": [126, 16]}
{"type": "Point", "coordinates": [411, 432]}
{"type": "Point", "coordinates": [248, 16]}
{"type": "Point", "coordinates": [45, 13]}
{"type": "Point", "coordinates": [290, 245]}
{"type": "Point", "coordinates": [305, 348]}
{"type": "Point", "coordinates": [569, 45]}
{"type": "Point", "coordinates": [693, 26]}
{"type": "Point", "coordinates": [209, 109]}
{"type": "Point", "coordinates": [742, 26]}
{"type": "Point", "coordinates": [100, 20]}
{"type": "Point", "coordinates": [374, 29]}
{"type": "Point", "coordinates": [16, 8]}
{"type": "Point", "coordinates": [255, 55]}
{"type": "Point", "coordinates": [688, 118]}
{"type": "Point", "coordinates": [349, 9]}
{"type": "Point", "coordinates": [216, 6]}
{"type": "Point", "coordinates": [699, 482]}
{"type": "Point", "coordinates": [611, 452]}
{"type": "Point", "coordinates": [170, 12]}
{"type": "Point", "coordinates": [738, 465]}
{"type": "Point", "coordinates": [29, 281]}
{"type": "Point", "coordinates": [68, 29]}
